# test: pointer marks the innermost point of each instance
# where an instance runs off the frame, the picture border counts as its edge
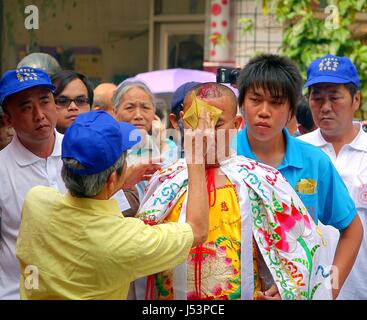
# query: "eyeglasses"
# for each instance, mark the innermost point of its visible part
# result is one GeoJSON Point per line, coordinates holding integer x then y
{"type": "Point", "coordinates": [65, 102]}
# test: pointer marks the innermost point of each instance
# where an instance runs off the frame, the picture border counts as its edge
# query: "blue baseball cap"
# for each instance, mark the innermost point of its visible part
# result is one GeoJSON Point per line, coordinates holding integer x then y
{"type": "Point", "coordinates": [14, 81]}
{"type": "Point", "coordinates": [179, 95]}
{"type": "Point", "coordinates": [96, 140]}
{"type": "Point", "coordinates": [332, 69]}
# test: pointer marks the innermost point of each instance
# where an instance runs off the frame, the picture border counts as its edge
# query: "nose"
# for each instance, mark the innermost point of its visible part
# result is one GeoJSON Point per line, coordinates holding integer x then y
{"type": "Point", "coordinates": [138, 114]}
{"type": "Point", "coordinates": [72, 106]}
{"type": "Point", "coordinates": [38, 114]}
{"type": "Point", "coordinates": [264, 110]}
{"type": "Point", "coordinates": [325, 106]}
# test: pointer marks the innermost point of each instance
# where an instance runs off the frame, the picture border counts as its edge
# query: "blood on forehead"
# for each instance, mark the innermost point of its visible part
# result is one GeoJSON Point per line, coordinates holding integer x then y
{"type": "Point", "coordinates": [209, 91]}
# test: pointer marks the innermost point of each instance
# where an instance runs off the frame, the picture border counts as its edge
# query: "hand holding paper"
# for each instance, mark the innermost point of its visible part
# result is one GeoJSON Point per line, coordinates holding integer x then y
{"type": "Point", "coordinates": [191, 116]}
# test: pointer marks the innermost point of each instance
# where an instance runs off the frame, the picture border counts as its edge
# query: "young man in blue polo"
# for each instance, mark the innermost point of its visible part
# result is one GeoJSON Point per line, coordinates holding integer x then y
{"type": "Point", "coordinates": [334, 97]}
{"type": "Point", "coordinates": [269, 88]}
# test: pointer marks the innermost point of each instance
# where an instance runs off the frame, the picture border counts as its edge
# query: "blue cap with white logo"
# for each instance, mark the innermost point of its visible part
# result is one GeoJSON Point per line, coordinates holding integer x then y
{"type": "Point", "coordinates": [14, 81]}
{"type": "Point", "coordinates": [332, 69]}
{"type": "Point", "coordinates": [96, 140]}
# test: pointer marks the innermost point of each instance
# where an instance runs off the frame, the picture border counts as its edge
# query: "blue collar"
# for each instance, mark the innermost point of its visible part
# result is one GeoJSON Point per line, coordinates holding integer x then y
{"type": "Point", "coordinates": [292, 157]}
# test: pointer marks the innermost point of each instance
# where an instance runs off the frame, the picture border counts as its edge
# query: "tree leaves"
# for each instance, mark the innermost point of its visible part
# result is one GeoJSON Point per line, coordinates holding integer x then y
{"type": "Point", "coordinates": [306, 35]}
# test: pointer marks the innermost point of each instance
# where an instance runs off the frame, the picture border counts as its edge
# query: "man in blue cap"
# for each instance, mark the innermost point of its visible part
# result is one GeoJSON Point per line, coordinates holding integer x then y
{"type": "Point", "coordinates": [92, 251]}
{"type": "Point", "coordinates": [32, 158]}
{"type": "Point", "coordinates": [334, 97]}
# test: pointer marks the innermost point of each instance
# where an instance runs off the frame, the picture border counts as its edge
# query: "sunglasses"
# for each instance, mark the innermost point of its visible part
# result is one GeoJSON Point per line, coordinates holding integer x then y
{"type": "Point", "coordinates": [65, 101]}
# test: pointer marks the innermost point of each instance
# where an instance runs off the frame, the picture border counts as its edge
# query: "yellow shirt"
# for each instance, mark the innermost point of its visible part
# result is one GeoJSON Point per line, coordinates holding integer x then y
{"type": "Point", "coordinates": [73, 248]}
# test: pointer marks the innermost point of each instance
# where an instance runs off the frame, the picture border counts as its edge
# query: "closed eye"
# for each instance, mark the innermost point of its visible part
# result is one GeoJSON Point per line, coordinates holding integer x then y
{"type": "Point", "coordinates": [334, 98]}
{"type": "Point", "coordinates": [45, 100]}
{"type": "Point", "coordinates": [315, 98]}
{"type": "Point", "coordinates": [129, 106]}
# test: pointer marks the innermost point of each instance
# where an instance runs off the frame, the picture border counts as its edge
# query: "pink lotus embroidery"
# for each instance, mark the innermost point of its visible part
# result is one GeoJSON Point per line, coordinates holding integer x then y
{"type": "Point", "coordinates": [278, 239]}
{"type": "Point", "coordinates": [293, 227]}
{"type": "Point", "coordinates": [292, 224]}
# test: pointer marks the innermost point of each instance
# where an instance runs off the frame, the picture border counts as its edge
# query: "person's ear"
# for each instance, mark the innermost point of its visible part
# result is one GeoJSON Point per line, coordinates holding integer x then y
{"type": "Point", "coordinates": [7, 119]}
{"type": "Point", "coordinates": [291, 117]}
{"type": "Point", "coordinates": [356, 101]}
{"type": "Point", "coordinates": [174, 121]}
{"type": "Point", "coordinates": [112, 182]}
{"type": "Point", "coordinates": [181, 114]}
{"type": "Point", "coordinates": [238, 119]}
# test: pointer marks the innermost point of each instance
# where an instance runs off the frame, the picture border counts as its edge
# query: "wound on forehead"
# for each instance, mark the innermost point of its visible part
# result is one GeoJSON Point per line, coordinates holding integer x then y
{"type": "Point", "coordinates": [214, 90]}
{"type": "Point", "coordinates": [208, 91]}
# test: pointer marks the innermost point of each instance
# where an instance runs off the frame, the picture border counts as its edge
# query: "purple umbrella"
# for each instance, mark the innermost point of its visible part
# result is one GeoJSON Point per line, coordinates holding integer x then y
{"type": "Point", "coordinates": [169, 80]}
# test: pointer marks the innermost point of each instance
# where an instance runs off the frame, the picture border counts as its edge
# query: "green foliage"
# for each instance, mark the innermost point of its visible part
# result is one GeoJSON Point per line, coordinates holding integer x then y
{"type": "Point", "coordinates": [247, 24]}
{"type": "Point", "coordinates": [311, 32]}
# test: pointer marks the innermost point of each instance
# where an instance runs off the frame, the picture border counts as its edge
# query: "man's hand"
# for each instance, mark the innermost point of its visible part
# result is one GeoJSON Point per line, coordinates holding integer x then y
{"type": "Point", "coordinates": [139, 172]}
{"type": "Point", "coordinates": [271, 294]}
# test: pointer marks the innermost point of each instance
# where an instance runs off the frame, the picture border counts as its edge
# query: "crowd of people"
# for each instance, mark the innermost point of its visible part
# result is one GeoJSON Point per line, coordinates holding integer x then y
{"type": "Point", "coordinates": [253, 193]}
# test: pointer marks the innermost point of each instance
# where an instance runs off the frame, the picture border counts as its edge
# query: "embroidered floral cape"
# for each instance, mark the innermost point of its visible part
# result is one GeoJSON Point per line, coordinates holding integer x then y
{"type": "Point", "coordinates": [271, 213]}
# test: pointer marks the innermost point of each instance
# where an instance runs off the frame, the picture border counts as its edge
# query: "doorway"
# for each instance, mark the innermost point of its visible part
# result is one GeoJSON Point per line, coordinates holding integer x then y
{"type": "Point", "coordinates": [181, 45]}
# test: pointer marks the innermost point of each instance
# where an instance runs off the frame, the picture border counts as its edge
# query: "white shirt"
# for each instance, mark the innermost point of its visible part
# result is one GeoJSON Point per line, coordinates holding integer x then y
{"type": "Point", "coordinates": [20, 170]}
{"type": "Point", "coordinates": [351, 164]}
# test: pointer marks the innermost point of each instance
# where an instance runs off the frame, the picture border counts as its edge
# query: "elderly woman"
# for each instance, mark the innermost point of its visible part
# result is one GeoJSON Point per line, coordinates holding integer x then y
{"type": "Point", "coordinates": [134, 103]}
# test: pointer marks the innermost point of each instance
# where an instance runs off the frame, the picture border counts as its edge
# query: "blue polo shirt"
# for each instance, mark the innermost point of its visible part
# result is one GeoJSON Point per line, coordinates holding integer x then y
{"type": "Point", "coordinates": [331, 202]}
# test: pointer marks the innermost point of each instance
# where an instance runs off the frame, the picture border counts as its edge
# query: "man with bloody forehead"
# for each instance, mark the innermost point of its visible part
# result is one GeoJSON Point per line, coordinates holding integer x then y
{"type": "Point", "coordinates": [262, 242]}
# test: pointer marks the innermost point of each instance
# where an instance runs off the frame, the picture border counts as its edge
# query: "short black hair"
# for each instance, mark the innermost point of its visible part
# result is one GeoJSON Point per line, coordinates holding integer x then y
{"type": "Point", "coordinates": [277, 74]}
{"type": "Point", "coordinates": [63, 78]}
{"type": "Point", "coordinates": [304, 115]}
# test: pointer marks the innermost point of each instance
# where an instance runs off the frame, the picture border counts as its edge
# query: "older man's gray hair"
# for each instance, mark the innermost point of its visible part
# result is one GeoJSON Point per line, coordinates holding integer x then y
{"type": "Point", "coordinates": [125, 87]}
{"type": "Point", "coordinates": [87, 186]}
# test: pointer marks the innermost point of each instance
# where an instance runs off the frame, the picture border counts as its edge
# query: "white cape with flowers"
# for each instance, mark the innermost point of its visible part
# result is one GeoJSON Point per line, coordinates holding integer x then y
{"type": "Point", "coordinates": [271, 213]}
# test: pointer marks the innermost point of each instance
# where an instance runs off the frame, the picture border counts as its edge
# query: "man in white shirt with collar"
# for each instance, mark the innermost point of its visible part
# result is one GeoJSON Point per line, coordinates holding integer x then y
{"type": "Point", "coordinates": [32, 158]}
{"type": "Point", "coordinates": [334, 96]}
